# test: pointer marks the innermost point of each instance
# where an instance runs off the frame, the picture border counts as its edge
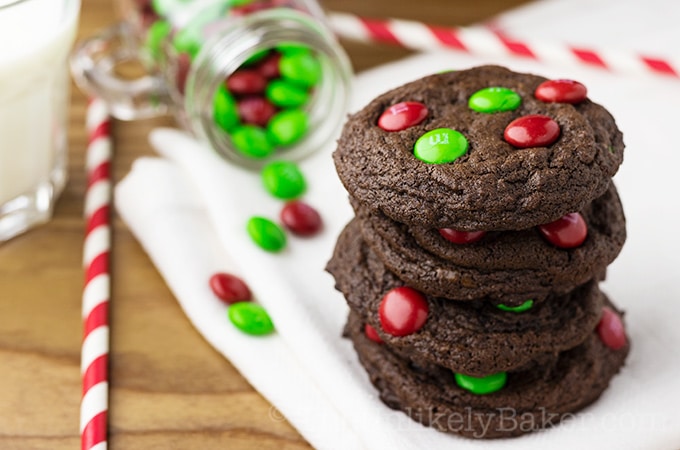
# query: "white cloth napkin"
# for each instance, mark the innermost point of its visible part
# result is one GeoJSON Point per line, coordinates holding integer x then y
{"type": "Point", "coordinates": [189, 208]}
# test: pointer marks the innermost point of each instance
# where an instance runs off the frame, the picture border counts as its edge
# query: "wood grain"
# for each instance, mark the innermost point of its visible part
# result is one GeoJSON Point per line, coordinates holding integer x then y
{"type": "Point", "coordinates": [169, 388]}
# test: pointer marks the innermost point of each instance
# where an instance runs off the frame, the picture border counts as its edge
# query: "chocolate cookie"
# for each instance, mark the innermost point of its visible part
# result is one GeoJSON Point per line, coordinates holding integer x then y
{"type": "Point", "coordinates": [478, 177]}
{"type": "Point", "coordinates": [474, 338]}
{"type": "Point", "coordinates": [508, 266]}
{"type": "Point", "coordinates": [529, 400]}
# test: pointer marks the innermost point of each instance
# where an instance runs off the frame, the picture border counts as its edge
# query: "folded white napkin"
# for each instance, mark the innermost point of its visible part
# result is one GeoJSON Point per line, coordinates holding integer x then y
{"type": "Point", "coordinates": [189, 209]}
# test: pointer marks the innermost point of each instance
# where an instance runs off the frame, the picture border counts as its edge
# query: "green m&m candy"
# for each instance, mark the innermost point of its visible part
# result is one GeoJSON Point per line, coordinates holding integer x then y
{"type": "Point", "coordinates": [517, 309]}
{"type": "Point", "coordinates": [251, 141]}
{"type": "Point", "coordinates": [284, 180]}
{"type": "Point", "coordinates": [225, 111]}
{"type": "Point", "coordinates": [494, 99]}
{"type": "Point", "coordinates": [250, 318]}
{"type": "Point", "coordinates": [266, 234]}
{"type": "Point", "coordinates": [285, 94]}
{"type": "Point", "coordinates": [158, 31]}
{"type": "Point", "coordinates": [300, 68]}
{"type": "Point", "coordinates": [482, 385]}
{"type": "Point", "coordinates": [287, 127]}
{"type": "Point", "coordinates": [440, 146]}
{"type": "Point", "coordinates": [187, 42]}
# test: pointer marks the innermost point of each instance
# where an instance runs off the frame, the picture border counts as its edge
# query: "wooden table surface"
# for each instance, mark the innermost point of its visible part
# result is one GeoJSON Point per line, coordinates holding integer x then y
{"type": "Point", "coordinates": [169, 388]}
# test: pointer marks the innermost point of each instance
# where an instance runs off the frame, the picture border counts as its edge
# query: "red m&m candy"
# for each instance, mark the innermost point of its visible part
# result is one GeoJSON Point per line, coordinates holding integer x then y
{"type": "Point", "coordinates": [246, 82]}
{"type": "Point", "coordinates": [611, 330]}
{"type": "Point", "coordinates": [532, 131]}
{"type": "Point", "coordinates": [561, 91]}
{"type": "Point", "coordinates": [269, 67]}
{"type": "Point", "coordinates": [255, 110]}
{"type": "Point", "coordinates": [461, 237]}
{"type": "Point", "coordinates": [300, 218]}
{"type": "Point", "coordinates": [402, 115]}
{"type": "Point", "coordinates": [403, 311]}
{"type": "Point", "coordinates": [230, 288]}
{"type": "Point", "coordinates": [372, 334]}
{"type": "Point", "coordinates": [568, 231]}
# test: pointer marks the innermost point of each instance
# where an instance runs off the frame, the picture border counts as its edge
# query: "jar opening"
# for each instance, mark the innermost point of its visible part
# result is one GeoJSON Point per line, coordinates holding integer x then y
{"type": "Point", "coordinates": [274, 85]}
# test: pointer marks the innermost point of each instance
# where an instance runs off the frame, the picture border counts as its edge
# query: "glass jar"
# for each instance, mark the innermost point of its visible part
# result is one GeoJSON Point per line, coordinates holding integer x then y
{"type": "Point", "coordinates": [257, 79]}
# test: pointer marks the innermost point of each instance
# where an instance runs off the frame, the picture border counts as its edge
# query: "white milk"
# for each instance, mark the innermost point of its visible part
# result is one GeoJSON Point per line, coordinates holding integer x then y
{"type": "Point", "coordinates": [35, 38]}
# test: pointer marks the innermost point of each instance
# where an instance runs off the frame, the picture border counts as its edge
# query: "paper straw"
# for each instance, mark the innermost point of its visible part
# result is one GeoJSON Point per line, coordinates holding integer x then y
{"type": "Point", "coordinates": [95, 350]}
{"type": "Point", "coordinates": [489, 42]}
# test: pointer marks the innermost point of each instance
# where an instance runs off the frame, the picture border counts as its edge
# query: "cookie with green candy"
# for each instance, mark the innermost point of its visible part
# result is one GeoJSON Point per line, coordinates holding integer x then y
{"type": "Point", "coordinates": [474, 337]}
{"type": "Point", "coordinates": [485, 218]}
{"type": "Point", "coordinates": [497, 405]}
{"type": "Point", "coordinates": [500, 180]}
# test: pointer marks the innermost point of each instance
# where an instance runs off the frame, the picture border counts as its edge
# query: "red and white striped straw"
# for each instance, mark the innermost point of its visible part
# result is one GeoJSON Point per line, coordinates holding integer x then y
{"type": "Point", "coordinates": [95, 350]}
{"type": "Point", "coordinates": [489, 42]}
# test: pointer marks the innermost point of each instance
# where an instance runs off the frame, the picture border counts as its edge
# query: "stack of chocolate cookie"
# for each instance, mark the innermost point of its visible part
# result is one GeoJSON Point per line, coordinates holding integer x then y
{"type": "Point", "coordinates": [485, 218]}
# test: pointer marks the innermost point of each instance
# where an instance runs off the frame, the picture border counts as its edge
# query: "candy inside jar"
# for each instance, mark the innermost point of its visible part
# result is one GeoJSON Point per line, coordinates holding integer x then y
{"type": "Point", "coordinates": [269, 95]}
{"type": "Point", "coordinates": [257, 79]}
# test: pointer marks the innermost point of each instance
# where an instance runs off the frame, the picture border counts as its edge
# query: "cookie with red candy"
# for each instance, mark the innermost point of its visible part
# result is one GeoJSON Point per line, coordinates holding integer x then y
{"type": "Point", "coordinates": [540, 396]}
{"type": "Point", "coordinates": [479, 149]}
{"type": "Point", "coordinates": [475, 337]}
{"type": "Point", "coordinates": [485, 219]}
{"type": "Point", "coordinates": [502, 266]}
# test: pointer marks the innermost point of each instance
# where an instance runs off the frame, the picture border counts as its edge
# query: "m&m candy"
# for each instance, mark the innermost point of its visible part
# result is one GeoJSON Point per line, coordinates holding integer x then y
{"type": "Point", "coordinates": [269, 66]}
{"type": "Point", "coordinates": [229, 288]}
{"type": "Point", "coordinates": [283, 179]}
{"type": "Point", "coordinates": [482, 385]}
{"type": "Point", "coordinates": [246, 82]}
{"type": "Point", "coordinates": [403, 311]}
{"type": "Point", "coordinates": [300, 68]}
{"type": "Point", "coordinates": [287, 127]}
{"type": "Point", "coordinates": [568, 231]}
{"type": "Point", "coordinates": [402, 116]}
{"type": "Point", "coordinates": [225, 111]}
{"type": "Point", "coordinates": [461, 237]}
{"type": "Point", "coordinates": [494, 99]}
{"type": "Point", "coordinates": [255, 110]}
{"type": "Point", "coordinates": [610, 329]}
{"type": "Point", "coordinates": [372, 334]}
{"type": "Point", "coordinates": [155, 35]}
{"type": "Point", "coordinates": [250, 318]}
{"type": "Point", "coordinates": [440, 146]}
{"type": "Point", "coordinates": [266, 234]}
{"type": "Point", "coordinates": [561, 91]}
{"type": "Point", "coordinates": [285, 94]}
{"type": "Point", "coordinates": [527, 305]}
{"type": "Point", "coordinates": [300, 218]}
{"type": "Point", "coordinates": [534, 130]}
{"type": "Point", "coordinates": [252, 141]}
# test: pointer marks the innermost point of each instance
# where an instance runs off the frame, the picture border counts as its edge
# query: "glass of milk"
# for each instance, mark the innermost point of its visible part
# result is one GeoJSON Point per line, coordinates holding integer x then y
{"type": "Point", "coordinates": [35, 39]}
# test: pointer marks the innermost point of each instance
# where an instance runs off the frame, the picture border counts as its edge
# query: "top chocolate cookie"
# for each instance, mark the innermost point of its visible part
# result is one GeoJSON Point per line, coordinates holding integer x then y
{"type": "Point", "coordinates": [479, 149]}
